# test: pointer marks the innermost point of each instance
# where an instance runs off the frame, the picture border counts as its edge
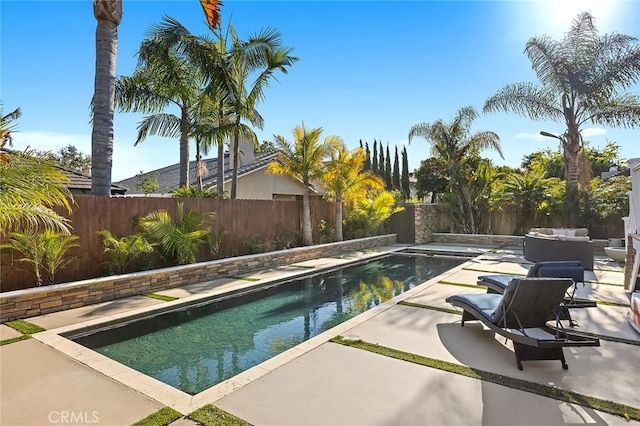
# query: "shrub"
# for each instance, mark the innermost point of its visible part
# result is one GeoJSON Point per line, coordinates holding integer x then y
{"type": "Point", "coordinates": [44, 251]}
{"type": "Point", "coordinates": [124, 251]}
{"type": "Point", "coordinates": [196, 192]}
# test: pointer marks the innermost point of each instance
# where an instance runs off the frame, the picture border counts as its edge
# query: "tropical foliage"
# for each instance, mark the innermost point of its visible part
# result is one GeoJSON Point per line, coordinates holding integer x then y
{"type": "Point", "coordinates": [177, 241]}
{"type": "Point", "coordinates": [366, 215]}
{"type": "Point", "coordinates": [605, 202]}
{"type": "Point", "coordinates": [346, 181]}
{"type": "Point", "coordinates": [455, 145]}
{"type": "Point", "coordinates": [29, 189]}
{"type": "Point", "coordinates": [302, 160]}
{"type": "Point", "coordinates": [123, 252]}
{"type": "Point", "coordinates": [583, 80]}
{"type": "Point", "coordinates": [6, 125]}
{"type": "Point", "coordinates": [44, 251]}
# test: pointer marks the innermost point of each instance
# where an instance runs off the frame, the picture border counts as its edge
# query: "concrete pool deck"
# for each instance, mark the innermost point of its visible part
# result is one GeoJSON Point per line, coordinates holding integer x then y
{"type": "Point", "coordinates": [323, 383]}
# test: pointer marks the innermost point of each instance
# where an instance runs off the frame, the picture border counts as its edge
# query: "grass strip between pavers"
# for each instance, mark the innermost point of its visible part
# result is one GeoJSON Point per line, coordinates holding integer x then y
{"type": "Point", "coordinates": [210, 415]}
{"type": "Point", "coordinates": [238, 277]}
{"type": "Point", "coordinates": [161, 297]}
{"type": "Point", "coordinates": [24, 327]}
{"type": "Point", "coordinates": [296, 265]}
{"type": "Point", "coordinates": [432, 308]}
{"type": "Point", "coordinates": [162, 417]}
{"type": "Point", "coordinates": [15, 339]}
{"type": "Point", "coordinates": [622, 410]}
{"type": "Point", "coordinates": [577, 332]}
{"type": "Point", "coordinates": [461, 284]}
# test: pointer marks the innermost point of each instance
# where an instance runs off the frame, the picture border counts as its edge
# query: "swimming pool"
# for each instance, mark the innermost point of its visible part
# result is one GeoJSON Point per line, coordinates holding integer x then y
{"type": "Point", "coordinates": [197, 347]}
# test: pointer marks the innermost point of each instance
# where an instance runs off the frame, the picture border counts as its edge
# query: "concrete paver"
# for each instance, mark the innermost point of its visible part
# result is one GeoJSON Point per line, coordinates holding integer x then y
{"type": "Point", "coordinates": [41, 386]}
{"type": "Point", "coordinates": [7, 332]}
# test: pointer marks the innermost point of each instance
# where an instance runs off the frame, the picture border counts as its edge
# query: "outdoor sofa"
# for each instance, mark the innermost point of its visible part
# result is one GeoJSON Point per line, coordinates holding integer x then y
{"type": "Point", "coordinates": [544, 244]}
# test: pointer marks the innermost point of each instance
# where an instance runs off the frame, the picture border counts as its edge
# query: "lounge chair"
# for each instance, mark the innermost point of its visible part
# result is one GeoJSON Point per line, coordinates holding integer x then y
{"type": "Point", "coordinates": [553, 269]}
{"type": "Point", "coordinates": [521, 315]}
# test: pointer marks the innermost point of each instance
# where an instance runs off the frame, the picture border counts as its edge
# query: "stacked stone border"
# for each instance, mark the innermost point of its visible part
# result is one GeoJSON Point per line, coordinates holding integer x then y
{"type": "Point", "coordinates": [43, 300]}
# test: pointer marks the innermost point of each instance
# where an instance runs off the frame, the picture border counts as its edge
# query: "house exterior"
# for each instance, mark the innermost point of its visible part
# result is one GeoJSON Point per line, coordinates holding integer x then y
{"type": "Point", "coordinates": [80, 184]}
{"type": "Point", "coordinates": [254, 183]}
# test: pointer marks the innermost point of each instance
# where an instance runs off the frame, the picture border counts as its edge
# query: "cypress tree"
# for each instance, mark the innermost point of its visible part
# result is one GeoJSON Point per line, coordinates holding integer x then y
{"type": "Point", "coordinates": [387, 170]}
{"type": "Point", "coordinates": [405, 174]}
{"type": "Point", "coordinates": [374, 164]}
{"type": "Point", "coordinates": [361, 144]}
{"type": "Point", "coordinates": [396, 171]}
{"type": "Point", "coordinates": [381, 162]}
{"type": "Point", "coordinates": [367, 154]}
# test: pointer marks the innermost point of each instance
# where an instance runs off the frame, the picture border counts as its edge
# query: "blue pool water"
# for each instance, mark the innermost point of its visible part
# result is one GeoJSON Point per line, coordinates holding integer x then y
{"type": "Point", "coordinates": [193, 349]}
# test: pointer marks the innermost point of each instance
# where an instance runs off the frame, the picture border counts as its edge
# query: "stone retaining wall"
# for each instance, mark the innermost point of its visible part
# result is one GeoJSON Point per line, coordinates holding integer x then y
{"type": "Point", "coordinates": [512, 240]}
{"type": "Point", "coordinates": [42, 300]}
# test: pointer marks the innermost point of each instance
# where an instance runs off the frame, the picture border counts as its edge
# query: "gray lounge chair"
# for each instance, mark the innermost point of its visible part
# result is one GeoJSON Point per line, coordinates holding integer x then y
{"type": "Point", "coordinates": [521, 315]}
{"type": "Point", "coordinates": [553, 269]}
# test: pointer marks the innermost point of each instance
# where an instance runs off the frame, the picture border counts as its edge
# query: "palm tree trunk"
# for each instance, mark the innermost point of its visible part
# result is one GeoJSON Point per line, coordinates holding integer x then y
{"type": "Point", "coordinates": [339, 218]}
{"type": "Point", "coordinates": [184, 145]}
{"type": "Point", "coordinates": [199, 165]}
{"type": "Point", "coordinates": [307, 237]}
{"type": "Point", "coordinates": [108, 14]}
{"type": "Point", "coordinates": [220, 177]}
{"type": "Point", "coordinates": [572, 148]}
{"type": "Point", "coordinates": [236, 152]}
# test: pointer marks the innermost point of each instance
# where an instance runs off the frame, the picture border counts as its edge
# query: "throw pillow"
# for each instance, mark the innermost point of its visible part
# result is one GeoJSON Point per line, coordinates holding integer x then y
{"type": "Point", "coordinates": [556, 231]}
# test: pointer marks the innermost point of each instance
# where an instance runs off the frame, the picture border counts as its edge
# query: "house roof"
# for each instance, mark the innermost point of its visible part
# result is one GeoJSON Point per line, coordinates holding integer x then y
{"type": "Point", "coordinates": [168, 177]}
{"type": "Point", "coordinates": [78, 181]}
{"type": "Point", "coordinates": [81, 182]}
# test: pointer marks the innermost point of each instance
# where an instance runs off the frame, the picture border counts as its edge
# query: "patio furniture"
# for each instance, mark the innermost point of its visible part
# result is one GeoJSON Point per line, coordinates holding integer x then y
{"type": "Point", "coordinates": [545, 244]}
{"type": "Point", "coordinates": [521, 315]}
{"type": "Point", "coordinates": [555, 269]}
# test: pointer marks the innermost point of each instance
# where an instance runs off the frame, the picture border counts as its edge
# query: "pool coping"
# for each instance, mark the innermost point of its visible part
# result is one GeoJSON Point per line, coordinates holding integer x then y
{"type": "Point", "coordinates": [181, 401]}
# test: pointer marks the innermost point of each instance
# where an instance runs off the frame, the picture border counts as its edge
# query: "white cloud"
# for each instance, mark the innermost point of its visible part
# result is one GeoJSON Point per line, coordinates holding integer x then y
{"type": "Point", "coordinates": [593, 131]}
{"type": "Point", "coordinates": [530, 136]}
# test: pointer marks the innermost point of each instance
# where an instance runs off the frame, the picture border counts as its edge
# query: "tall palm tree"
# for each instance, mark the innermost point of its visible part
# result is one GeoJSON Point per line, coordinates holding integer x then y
{"type": "Point", "coordinates": [258, 59]}
{"type": "Point", "coordinates": [164, 76]}
{"type": "Point", "coordinates": [302, 160]}
{"type": "Point", "coordinates": [454, 143]}
{"type": "Point", "coordinates": [583, 79]}
{"type": "Point", "coordinates": [108, 13]}
{"type": "Point", "coordinates": [345, 178]}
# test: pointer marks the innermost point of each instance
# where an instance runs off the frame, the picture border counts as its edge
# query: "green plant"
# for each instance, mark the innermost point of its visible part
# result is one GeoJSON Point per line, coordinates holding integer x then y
{"type": "Point", "coordinates": [325, 232]}
{"type": "Point", "coordinates": [258, 245]}
{"type": "Point", "coordinates": [44, 251]}
{"type": "Point", "coordinates": [179, 241]}
{"type": "Point", "coordinates": [195, 192]}
{"type": "Point", "coordinates": [148, 183]}
{"type": "Point", "coordinates": [213, 240]}
{"type": "Point", "coordinates": [124, 250]}
{"type": "Point", "coordinates": [366, 216]}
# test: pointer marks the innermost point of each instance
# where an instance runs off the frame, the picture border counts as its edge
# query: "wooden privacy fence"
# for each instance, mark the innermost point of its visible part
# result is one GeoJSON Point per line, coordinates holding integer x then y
{"type": "Point", "coordinates": [240, 220]}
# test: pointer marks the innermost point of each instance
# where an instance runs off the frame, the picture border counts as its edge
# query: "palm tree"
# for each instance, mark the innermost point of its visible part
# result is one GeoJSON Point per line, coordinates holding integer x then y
{"type": "Point", "coordinates": [108, 13]}
{"type": "Point", "coordinates": [529, 193]}
{"type": "Point", "coordinates": [583, 77]}
{"type": "Point", "coordinates": [31, 187]}
{"type": "Point", "coordinates": [454, 143]}
{"type": "Point", "coordinates": [164, 76]}
{"type": "Point", "coordinates": [178, 241]}
{"type": "Point", "coordinates": [258, 58]}
{"type": "Point", "coordinates": [302, 160]}
{"type": "Point", "coordinates": [345, 178]}
{"type": "Point", "coordinates": [6, 126]}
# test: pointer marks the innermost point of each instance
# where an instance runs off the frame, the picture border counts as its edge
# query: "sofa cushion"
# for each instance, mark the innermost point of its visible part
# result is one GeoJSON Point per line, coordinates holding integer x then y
{"type": "Point", "coordinates": [582, 232]}
{"type": "Point", "coordinates": [545, 231]}
{"type": "Point", "coordinates": [558, 231]}
{"type": "Point", "coordinates": [568, 238]}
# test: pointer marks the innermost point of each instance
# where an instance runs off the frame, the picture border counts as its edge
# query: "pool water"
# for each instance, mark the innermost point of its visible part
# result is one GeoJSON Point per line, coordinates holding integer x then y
{"type": "Point", "coordinates": [195, 348]}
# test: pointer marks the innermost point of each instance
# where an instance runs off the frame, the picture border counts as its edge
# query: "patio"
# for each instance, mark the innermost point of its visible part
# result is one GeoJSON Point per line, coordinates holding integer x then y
{"type": "Point", "coordinates": [320, 382]}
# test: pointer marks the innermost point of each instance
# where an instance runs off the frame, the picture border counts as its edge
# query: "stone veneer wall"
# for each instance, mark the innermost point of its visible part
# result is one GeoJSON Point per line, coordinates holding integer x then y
{"type": "Point", "coordinates": [480, 239]}
{"type": "Point", "coordinates": [425, 222]}
{"type": "Point", "coordinates": [42, 300]}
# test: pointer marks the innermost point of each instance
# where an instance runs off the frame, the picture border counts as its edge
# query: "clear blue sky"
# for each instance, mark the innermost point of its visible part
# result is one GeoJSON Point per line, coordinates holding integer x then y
{"type": "Point", "coordinates": [367, 69]}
